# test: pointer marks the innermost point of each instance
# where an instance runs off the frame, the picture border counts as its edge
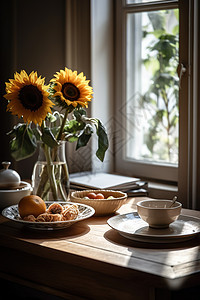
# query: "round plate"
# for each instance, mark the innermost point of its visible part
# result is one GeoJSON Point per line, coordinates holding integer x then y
{"type": "Point", "coordinates": [85, 211]}
{"type": "Point", "coordinates": [133, 227]}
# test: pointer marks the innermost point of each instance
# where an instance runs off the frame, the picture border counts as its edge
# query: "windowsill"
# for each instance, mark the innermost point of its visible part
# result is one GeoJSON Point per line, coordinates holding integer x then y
{"type": "Point", "coordinates": [161, 190]}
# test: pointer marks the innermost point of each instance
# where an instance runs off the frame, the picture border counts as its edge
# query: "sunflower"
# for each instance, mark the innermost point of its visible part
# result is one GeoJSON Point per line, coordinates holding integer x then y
{"type": "Point", "coordinates": [70, 89]}
{"type": "Point", "coordinates": [28, 97]}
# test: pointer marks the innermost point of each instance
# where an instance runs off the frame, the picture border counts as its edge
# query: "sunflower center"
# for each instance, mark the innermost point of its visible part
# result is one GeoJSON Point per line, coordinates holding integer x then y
{"type": "Point", "coordinates": [31, 97]}
{"type": "Point", "coordinates": [70, 91]}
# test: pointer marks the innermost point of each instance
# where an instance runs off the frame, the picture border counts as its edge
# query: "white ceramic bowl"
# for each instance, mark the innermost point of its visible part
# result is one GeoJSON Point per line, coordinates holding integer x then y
{"type": "Point", "coordinates": [157, 213]}
{"type": "Point", "coordinates": [11, 197]}
{"type": "Point", "coordinates": [101, 206]}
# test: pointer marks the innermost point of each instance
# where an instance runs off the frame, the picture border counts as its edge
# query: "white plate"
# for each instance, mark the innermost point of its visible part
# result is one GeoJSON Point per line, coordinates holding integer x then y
{"type": "Point", "coordinates": [133, 227]}
{"type": "Point", "coordinates": [85, 211]}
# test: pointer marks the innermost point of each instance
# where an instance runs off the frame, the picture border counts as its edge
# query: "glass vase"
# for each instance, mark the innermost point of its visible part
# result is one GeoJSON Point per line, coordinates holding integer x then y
{"type": "Point", "coordinates": [50, 178]}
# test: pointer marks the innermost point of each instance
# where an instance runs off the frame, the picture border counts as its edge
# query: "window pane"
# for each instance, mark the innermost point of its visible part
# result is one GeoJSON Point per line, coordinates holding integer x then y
{"type": "Point", "coordinates": [151, 111]}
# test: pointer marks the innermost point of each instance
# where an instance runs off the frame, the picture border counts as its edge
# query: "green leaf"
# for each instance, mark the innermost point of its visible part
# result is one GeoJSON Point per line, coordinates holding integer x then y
{"type": "Point", "coordinates": [88, 129]}
{"type": "Point", "coordinates": [51, 118]}
{"type": "Point", "coordinates": [83, 140]}
{"type": "Point", "coordinates": [48, 137]}
{"type": "Point", "coordinates": [24, 143]}
{"type": "Point", "coordinates": [73, 126]}
{"type": "Point", "coordinates": [84, 137]}
{"type": "Point", "coordinates": [37, 133]}
{"type": "Point", "coordinates": [103, 143]}
{"type": "Point", "coordinates": [72, 138]}
{"type": "Point", "coordinates": [78, 113]}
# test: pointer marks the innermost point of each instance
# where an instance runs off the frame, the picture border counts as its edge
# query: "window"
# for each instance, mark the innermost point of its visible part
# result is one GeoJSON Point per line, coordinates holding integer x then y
{"type": "Point", "coordinates": [148, 89]}
{"type": "Point", "coordinates": [156, 121]}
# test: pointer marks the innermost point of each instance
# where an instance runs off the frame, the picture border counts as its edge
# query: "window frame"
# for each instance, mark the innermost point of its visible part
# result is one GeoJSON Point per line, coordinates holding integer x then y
{"type": "Point", "coordinates": [189, 159]}
{"type": "Point", "coordinates": [167, 172]}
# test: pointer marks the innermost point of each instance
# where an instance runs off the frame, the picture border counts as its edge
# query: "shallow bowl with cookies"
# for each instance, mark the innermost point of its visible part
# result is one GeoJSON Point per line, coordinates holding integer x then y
{"type": "Point", "coordinates": [12, 214]}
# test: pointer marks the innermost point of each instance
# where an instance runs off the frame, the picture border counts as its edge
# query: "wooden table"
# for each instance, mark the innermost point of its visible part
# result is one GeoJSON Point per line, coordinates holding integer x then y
{"type": "Point", "coordinates": [92, 261]}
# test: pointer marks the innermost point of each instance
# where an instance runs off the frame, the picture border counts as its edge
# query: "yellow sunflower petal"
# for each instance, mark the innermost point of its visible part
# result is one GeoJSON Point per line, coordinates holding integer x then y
{"type": "Point", "coordinates": [58, 86]}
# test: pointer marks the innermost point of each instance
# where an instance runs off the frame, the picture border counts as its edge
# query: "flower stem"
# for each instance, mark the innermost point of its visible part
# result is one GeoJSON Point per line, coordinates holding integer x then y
{"type": "Point", "coordinates": [62, 126]}
{"type": "Point", "coordinates": [50, 171]}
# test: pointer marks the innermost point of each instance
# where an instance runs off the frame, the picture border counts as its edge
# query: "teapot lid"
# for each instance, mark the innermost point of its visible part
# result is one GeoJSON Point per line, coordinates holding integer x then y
{"type": "Point", "coordinates": [8, 177]}
{"type": "Point", "coordinates": [6, 164]}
